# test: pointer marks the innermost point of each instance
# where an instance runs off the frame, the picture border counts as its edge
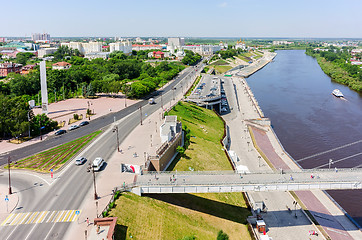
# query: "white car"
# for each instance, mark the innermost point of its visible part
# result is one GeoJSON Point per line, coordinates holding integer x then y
{"type": "Point", "coordinates": [98, 163]}
{"type": "Point", "coordinates": [73, 127]}
{"type": "Point", "coordinates": [80, 160]}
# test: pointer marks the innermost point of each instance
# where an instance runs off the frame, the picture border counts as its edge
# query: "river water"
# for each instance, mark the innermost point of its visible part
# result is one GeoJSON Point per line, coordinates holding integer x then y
{"type": "Point", "coordinates": [295, 94]}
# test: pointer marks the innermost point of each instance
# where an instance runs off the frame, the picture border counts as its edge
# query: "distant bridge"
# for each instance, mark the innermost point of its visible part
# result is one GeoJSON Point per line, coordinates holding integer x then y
{"type": "Point", "coordinates": [230, 181]}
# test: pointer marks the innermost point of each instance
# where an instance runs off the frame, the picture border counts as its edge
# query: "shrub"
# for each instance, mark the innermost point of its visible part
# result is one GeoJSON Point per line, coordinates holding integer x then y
{"type": "Point", "coordinates": [222, 236]}
{"type": "Point", "coordinates": [76, 116]}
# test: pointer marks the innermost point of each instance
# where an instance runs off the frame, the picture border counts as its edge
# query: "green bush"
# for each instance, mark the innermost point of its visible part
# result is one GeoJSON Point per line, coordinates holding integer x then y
{"type": "Point", "coordinates": [222, 236]}
{"type": "Point", "coordinates": [76, 116]}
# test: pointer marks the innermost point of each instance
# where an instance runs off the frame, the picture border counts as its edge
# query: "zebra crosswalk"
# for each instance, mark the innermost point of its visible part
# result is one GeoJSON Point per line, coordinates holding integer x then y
{"type": "Point", "coordinates": [41, 217]}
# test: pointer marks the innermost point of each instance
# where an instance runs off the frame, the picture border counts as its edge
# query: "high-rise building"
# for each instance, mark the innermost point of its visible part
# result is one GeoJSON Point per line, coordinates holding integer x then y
{"type": "Point", "coordinates": [40, 37]}
{"type": "Point", "coordinates": [175, 43]}
{"type": "Point", "coordinates": [125, 47]}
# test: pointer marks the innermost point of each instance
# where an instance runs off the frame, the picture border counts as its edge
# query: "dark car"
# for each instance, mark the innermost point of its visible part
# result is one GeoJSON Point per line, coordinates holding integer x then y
{"type": "Point", "coordinates": [60, 132]}
{"type": "Point", "coordinates": [83, 123]}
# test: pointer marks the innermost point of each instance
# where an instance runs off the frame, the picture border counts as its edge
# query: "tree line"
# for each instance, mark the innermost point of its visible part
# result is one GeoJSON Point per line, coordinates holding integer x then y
{"type": "Point", "coordinates": [127, 74]}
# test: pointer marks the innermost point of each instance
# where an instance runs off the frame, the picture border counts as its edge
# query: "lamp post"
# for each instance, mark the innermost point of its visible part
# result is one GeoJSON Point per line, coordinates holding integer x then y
{"type": "Point", "coordinates": [29, 121]}
{"type": "Point", "coordinates": [141, 113]}
{"type": "Point", "coordinates": [9, 161]}
{"type": "Point", "coordinates": [91, 168]}
{"type": "Point", "coordinates": [116, 131]}
{"type": "Point", "coordinates": [330, 163]}
{"type": "Point", "coordinates": [295, 208]}
{"type": "Point", "coordinates": [174, 93]}
{"type": "Point", "coordinates": [88, 111]}
{"type": "Point", "coordinates": [259, 157]}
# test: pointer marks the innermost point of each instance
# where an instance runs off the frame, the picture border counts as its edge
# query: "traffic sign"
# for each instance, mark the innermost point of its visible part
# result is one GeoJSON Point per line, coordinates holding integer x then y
{"type": "Point", "coordinates": [6, 198]}
{"type": "Point", "coordinates": [42, 127]}
{"type": "Point", "coordinates": [77, 212]}
{"type": "Point", "coordinates": [51, 169]}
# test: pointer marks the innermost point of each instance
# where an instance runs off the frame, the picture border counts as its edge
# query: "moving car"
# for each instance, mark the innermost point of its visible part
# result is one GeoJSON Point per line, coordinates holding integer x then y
{"type": "Point", "coordinates": [73, 127]}
{"type": "Point", "coordinates": [98, 163]}
{"type": "Point", "coordinates": [151, 101]}
{"type": "Point", "coordinates": [80, 160]}
{"type": "Point", "coordinates": [83, 123]}
{"type": "Point", "coordinates": [60, 132]}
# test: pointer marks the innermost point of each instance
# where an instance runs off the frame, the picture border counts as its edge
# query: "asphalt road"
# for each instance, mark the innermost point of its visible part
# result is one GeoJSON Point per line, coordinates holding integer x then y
{"type": "Point", "coordinates": [71, 187]}
{"type": "Point", "coordinates": [94, 125]}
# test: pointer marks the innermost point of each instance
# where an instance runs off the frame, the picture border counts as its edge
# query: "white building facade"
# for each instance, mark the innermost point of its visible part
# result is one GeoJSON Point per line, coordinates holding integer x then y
{"type": "Point", "coordinates": [125, 47]}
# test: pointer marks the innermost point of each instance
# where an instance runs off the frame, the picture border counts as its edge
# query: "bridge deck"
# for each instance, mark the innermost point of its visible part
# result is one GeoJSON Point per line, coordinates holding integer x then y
{"type": "Point", "coordinates": [194, 182]}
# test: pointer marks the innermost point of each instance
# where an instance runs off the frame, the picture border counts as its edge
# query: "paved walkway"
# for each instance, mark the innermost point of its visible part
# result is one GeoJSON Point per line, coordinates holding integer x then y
{"type": "Point", "coordinates": [64, 110]}
{"type": "Point", "coordinates": [7, 206]}
{"type": "Point", "coordinates": [139, 142]}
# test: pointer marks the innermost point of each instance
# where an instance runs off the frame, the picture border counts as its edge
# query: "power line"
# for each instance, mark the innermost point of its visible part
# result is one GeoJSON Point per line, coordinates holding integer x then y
{"type": "Point", "coordinates": [331, 150]}
{"type": "Point", "coordinates": [339, 160]}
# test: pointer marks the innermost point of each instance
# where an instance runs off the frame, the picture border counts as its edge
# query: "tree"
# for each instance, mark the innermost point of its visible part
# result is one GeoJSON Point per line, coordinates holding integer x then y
{"type": "Point", "coordinates": [181, 150]}
{"type": "Point", "coordinates": [222, 236]}
{"type": "Point", "coordinates": [23, 57]}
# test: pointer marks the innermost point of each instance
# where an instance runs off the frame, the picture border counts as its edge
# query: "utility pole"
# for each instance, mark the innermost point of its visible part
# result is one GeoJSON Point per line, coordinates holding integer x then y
{"type": "Point", "coordinates": [161, 102]}
{"type": "Point", "coordinates": [116, 131]}
{"type": "Point", "coordinates": [41, 138]}
{"type": "Point", "coordinates": [9, 161]}
{"type": "Point", "coordinates": [91, 168]}
{"type": "Point", "coordinates": [330, 163]}
{"type": "Point", "coordinates": [141, 113]}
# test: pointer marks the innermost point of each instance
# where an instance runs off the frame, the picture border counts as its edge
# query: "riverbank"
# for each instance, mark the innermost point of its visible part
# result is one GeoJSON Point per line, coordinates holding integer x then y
{"type": "Point", "coordinates": [337, 224]}
{"type": "Point", "coordinates": [336, 73]}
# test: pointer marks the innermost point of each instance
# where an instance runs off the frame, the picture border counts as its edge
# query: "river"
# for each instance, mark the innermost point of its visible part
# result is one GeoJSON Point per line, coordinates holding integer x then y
{"type": "Point", "coordinates": [295, 94]}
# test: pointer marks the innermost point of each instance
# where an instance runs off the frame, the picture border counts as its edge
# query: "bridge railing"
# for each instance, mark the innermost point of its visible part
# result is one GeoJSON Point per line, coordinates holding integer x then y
{"type": "Point", "coordinates": [232, 172]}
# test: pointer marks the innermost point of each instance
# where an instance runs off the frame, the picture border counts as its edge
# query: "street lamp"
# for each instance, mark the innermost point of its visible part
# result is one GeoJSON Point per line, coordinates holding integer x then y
{"type": "Point", "coordinates": [330, 163]}
{"type": "Point", "coordinates": [174, 92]}
{"type": "Point", "coordinates": [295, 208]}
{"type": "Point", "coordinates": [91, 168]}
{"type": "Point", "coordinates": [116, 130]}
{"type": "Point", "coordinates": [141, 112]}
{"type": "Point", "coordinates": [9, 161]}
{"type": "Point", "coordinates": [259, 157]}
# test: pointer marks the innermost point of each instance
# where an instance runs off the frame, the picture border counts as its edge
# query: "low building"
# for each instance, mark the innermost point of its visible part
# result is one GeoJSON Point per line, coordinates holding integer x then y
{"type": "Point", "coordinates": [46, 51]}
{"type": "Point", "coordinates": [94, 55]}
{"type": "Point", "coordinates": [138, 47]}
{"type": "Point", "coordinates": [61, 66]}
{"type": "Point", "coordinates": [26, 69]}
{"type": "Point", "coordinates": [9, 53]}
{"type": "Point", "coordinates": [103, 228]}
{"type": "Point", "coordinates": [204, 50]}
{"type": "Point", "coordinates": [168, 129]}
{"type": "Point", "coordinates": [171, 138]}
{"type": "Point", "coordinates": [9, 67]}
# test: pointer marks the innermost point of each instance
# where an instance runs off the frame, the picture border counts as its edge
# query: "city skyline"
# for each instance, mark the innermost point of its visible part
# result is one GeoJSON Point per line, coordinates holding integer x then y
{"type": "Point", "coordinates": [230, 18]}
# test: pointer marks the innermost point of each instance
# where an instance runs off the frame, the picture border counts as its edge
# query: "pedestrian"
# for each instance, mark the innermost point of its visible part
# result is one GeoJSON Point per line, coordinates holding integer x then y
{"type": "Point", "coordinates": [336, 169]}
{"type": "Point", "coordinates": [87, 222]}
{"type": "Point", "coordinates": [170, 179]}
{"type": "Point", "coordinates": [124, 184]}
{"type": "Point", "coordinates": [311, 176]}
{"type": "Point", "coordinates": [291, 177]}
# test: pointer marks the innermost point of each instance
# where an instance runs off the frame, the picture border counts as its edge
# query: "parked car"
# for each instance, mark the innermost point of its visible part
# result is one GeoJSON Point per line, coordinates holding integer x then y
{"type": "Point", "coordinates": [224, 109]}
{"type": "Point", "coordinates": [60, 132]}
{"type": "Point", "coordinates": [83, 123]}
{"type": "Point", "coordinates": [80, 160]}
{"type": "Point", "coordinates": [98, 163]}
{"type": "Point", "coordinates": [73, 127]}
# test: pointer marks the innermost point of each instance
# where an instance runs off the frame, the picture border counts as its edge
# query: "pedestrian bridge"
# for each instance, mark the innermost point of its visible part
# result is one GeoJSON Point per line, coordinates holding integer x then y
{"type": "Point", "coordinates": [230, 181]}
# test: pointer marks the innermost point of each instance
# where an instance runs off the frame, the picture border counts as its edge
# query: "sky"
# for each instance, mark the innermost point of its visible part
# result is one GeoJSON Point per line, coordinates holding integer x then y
{"type": "Point", "coordinates": [187, 18]}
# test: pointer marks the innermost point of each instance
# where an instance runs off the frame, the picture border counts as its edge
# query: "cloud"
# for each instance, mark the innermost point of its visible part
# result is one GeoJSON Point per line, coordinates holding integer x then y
{"type": "Point", "coordinates": [224, 4]}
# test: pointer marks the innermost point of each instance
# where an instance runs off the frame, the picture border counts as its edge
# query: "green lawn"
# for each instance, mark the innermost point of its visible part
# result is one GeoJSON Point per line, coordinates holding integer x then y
{"type": "Point", "coordinates": [175, 216]}
{"type": "Point", "coordinates": [220, 62]}
{"type": "Point", "coordinates": [54, 158]}
{"type": "Point", "coordinates": [206, 129]}
{"type": "Point", "coordinates": [223, 68]}
{"type": "Point", "coordinates": [178, 216]}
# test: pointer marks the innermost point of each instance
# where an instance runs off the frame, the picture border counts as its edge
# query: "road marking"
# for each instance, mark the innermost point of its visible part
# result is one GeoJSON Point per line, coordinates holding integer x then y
{"type": "Point", "coordinates": [40, 217]}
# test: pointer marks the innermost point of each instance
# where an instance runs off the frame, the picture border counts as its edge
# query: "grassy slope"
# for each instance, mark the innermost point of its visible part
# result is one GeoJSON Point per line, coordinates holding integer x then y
{"type": "Point", "coordinates": [205, 151]}
{"type": "Point", "coordinates": [174, 216]}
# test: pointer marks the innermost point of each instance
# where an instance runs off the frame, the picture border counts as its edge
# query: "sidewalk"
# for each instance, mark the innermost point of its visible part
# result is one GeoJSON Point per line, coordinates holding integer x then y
{"type": "Point", "coordinates": [7, 207]}
{"type": "Point", "coordinates": [139, 142]}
